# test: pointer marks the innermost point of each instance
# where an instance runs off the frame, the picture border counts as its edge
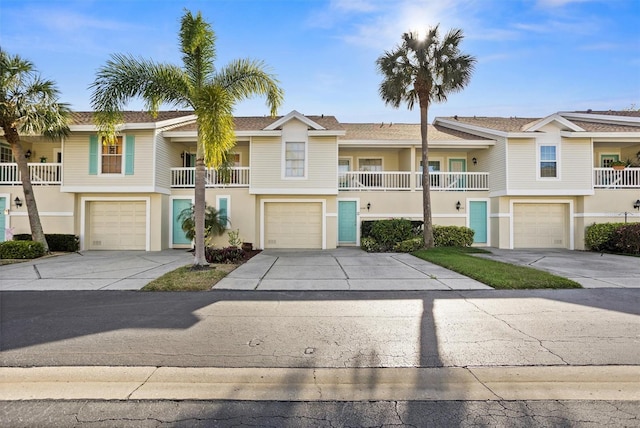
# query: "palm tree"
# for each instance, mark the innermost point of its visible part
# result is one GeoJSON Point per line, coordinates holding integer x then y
{"type": "Point", "coordinates": [29, 106]}
{"type": "Point", "coordinates": [424, 70]}
{"type": "Point", "coordinates": [197, 85]}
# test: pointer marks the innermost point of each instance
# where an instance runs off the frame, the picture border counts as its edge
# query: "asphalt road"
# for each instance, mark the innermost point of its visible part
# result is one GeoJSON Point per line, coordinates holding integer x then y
{"type": "Point", "coordinates": [321, 329]}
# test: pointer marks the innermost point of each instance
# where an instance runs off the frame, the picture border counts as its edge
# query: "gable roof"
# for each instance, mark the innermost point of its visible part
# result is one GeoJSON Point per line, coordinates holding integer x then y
{"type": "Point", "coordinates": [86, 117]}
{"type": "Point", "coordinates": [260, 123]}
{"type": "Point", "coordinates": [409, 132]}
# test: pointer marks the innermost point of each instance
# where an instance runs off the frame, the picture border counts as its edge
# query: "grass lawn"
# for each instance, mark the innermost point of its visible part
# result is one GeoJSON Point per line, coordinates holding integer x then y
{"type": "Point", "coordinates": [185, 279]}
{"type": "Point", "coordinates": [495, 274]}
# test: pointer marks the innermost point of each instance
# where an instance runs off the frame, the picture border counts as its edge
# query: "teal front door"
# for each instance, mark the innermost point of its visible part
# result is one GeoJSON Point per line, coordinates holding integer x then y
{"type": "Point", "coordinates": [478, 221]}
{"type": "Point", "coordinates": [347, 222]}
{"type": "Point", "coordinates": [3, 206]}
{"type": "Point", "coordinates": [178, 234]}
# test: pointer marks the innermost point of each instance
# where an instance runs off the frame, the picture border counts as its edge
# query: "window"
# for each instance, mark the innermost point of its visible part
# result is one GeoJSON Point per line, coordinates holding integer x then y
{"type": "Point", "coordinates": [235, 158]}
{"type": "Point", "coordinates": [294, 159]}
{"type": "Point", "coordinates": [548, 162]}
{"type": "Point", "coordinates": [344, 166]}
{"type": "Point", "coordinates": [224, 208]}
{"type": "Point", "coordinates": [6, 155]}
{"type": "Point", "coordinates": [112, 157]}
{"type": "Point", "coordinates": [373, 165]}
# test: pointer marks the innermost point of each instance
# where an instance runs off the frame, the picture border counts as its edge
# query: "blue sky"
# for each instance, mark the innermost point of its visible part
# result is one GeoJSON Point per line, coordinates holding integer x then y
{"type": "Point", "coordinates": [535, 57]}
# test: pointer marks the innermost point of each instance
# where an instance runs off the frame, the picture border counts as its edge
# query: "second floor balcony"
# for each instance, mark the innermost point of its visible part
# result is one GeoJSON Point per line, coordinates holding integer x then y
{"type": "Point", "coordinates": [40, 174]}
{"type": "Point", "coordinates": [402, 180]}
{"type": "Point", "coordinates": [609, 178]}
{"type": "Point", "coordinates": [232, 177]}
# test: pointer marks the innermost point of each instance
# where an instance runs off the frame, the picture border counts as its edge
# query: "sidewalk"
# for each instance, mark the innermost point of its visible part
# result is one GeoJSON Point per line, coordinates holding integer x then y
{"type": "Point", "coordinates": [621, 383]}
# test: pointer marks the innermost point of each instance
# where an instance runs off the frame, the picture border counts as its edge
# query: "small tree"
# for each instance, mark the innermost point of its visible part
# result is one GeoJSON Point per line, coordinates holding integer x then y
{"type": "Point", "coordinates": [424, 70]}
{"type": "Point", "coordinates": [214, 223]}
{"type": "Point", "coordinates": [29, 106]}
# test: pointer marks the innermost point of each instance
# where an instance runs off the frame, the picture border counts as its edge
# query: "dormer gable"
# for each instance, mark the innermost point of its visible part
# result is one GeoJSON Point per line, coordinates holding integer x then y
{"type": "Point", "coordinates": [555, 120]}
{"type": "Point", "coordinates": [295, 115]}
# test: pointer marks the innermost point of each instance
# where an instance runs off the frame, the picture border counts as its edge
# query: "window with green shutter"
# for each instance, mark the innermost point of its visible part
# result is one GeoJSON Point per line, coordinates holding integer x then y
{"type": "Point", "coordinates": [93, 155]}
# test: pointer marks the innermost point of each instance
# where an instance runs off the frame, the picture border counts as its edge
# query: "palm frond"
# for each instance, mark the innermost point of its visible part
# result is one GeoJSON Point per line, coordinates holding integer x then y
{"type": "Point", "coordinates": [215, 123]}
{"type": "Point", "coordinates": [197, 42]}
{"type": "Point", "coordinates": [245, 78]}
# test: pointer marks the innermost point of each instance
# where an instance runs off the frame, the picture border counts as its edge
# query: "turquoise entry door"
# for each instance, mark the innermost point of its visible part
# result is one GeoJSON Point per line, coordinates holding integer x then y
{"type": "Point", "coordinates": [3, 206]}
{"type": "Point", "coordinates": [178, 234]}
{"type": "Point", "coordinates": [478, 221]}
{"type": "Point", "coordinates": [347, 222]}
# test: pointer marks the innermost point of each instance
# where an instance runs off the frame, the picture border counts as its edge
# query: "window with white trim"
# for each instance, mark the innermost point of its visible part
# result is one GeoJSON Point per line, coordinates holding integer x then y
{"type": "Point", "coordinates": [6, 155]}
{"type": "Point", "coordinates": [548, 167]}
{"type": "Point", "coordinates": [294, 159]}
{"type": "Point", "coordinates": [111, 157]}
{"type": "Point", "coordinates": [372, 165]}
{"type": "Point", "coordinates": [224, 208]}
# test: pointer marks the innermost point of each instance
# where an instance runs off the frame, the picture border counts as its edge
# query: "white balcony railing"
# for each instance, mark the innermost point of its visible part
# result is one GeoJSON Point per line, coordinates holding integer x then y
{"type": "Point", "coordinates": [609, 178]}
{"type": "Point", "coordinates": [367, 180]}
{"type": "Point", "coordinates": [40, 173]}
{"type": "Point", "coordinates": [442, 181]}
{"type": "Point", "coordinates": [401, 180]}
{"type": "Point", "coordinates": [234, 177]}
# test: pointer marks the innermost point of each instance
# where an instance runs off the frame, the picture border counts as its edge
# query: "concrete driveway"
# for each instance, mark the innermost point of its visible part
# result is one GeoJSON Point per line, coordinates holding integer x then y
{"type": "Point", "coordinates": [591, 270]}
{"type": "Point", "coordinates": [343, 269]}
{"type": "Point", "coordinates": [92, 270]}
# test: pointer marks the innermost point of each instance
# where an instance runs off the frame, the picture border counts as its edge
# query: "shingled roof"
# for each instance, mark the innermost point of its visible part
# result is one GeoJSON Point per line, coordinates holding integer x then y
{"type": "Point", "coordinates": [258, 123]}
{"type": "Point", "coordinates": [401, 132]}
{"type": "Point", "coordinates": [86, 117]}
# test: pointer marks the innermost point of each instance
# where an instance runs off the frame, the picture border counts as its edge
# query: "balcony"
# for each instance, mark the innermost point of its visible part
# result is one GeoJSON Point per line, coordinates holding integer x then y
{"type": "Point", "coordinates": [40, 173]}
{"type": "Point", "coordinates": [233, 177]}
{"type": "Point", "coordinates": [609, 178]}
{"type": "Point", "coordinates": [401, 180]}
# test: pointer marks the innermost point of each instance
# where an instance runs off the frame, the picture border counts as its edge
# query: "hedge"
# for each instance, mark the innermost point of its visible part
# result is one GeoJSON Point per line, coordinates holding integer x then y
{"type": "Point", "coordinates": [56, 241]}
{"type": "Point", "coordinates": [452, 236]}
{"type": "Point", "coordinates": [613, 237]}
{"type": "Point", "coordinates": [21, 250]}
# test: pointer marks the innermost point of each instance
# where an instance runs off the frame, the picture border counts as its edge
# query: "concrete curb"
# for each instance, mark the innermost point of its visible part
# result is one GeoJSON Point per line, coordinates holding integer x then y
{"type": "Point", "coordinates": [321, 384]}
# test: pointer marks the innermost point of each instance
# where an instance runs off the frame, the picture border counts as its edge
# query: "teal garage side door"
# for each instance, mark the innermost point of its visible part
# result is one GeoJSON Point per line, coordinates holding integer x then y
{"type": "Point", "coordinates": [347, 222]}
{"type": "Point", "coordinates": [178, 234]}
{"type": "Point", "coordinates": [478, 221]}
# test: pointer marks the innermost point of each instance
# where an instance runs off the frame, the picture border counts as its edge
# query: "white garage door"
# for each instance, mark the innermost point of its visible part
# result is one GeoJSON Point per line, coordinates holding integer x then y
{"type": "Point", "coordinates": [117, 225]}
{"type": "Point", "coordinates": [293, 225]}
{"type": "Point", "coordinates": [540, 226]}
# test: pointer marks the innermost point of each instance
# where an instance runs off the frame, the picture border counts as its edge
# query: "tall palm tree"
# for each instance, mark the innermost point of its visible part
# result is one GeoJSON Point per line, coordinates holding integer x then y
{"type": "Point", "coordinates": [211, 94]}
{"type": "Point", "coordinates": [29, 106]}
{"type": "Point", "coordinates": [424, 70]}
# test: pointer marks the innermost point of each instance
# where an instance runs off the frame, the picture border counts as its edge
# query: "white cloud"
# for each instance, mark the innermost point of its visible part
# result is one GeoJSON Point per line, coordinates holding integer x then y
{"type": "Point", "coordinates": [558, 3]}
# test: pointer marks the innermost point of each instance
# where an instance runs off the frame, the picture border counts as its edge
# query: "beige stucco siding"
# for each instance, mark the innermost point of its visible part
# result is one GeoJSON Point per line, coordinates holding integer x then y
{"type": "Point", "coordinates": [76, 165]}
{"type": "Point", "coordinates": [56, 209]}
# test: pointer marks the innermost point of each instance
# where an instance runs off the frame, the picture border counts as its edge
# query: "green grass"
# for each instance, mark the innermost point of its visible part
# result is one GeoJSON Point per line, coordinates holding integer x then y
{"type": "Point", "coordinates": [495, 274]}
{"type": "Point", "coordinates": [186, 279]}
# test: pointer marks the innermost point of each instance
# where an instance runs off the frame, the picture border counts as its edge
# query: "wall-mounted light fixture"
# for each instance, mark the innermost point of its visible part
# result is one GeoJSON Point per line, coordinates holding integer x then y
{"type": "Point", "coordinates": [18, 202]}
{"type": "Point", "coordinates": [368, 206]}
{"type": "Point", "coordinates": [27, 154]}
{"type": "Point", "coordinates": [636, 204]}
{"type": "Point", "coordinates": [458, 205]}
{"type": "Point", "coordinates": [475, 161]}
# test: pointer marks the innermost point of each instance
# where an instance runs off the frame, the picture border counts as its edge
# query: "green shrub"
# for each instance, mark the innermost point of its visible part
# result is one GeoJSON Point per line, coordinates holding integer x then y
{"type": "Point", "coordinates": [366, 226]}
{"type": "Point", "coordinates": [388, 233]}
{"type": "Point", "coordinates": [452, 236]}
{"type": "Point", "coordinates": [369, 245]}
{"type": "Point", "coordinates": [409, 245]}
{"type": "Point", "coordinates": [627, 238]}
{"type": "Point", "coordinates": [224, 255]}
{"type": "Point", "coordinates": [21, 250]}
{"type": "Point", "coordinates": [56, 241]}
{"type": "Point", "coordinates": [600, 236]}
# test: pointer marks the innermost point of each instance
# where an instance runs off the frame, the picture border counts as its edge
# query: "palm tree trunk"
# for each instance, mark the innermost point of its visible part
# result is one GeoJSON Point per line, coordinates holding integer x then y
{"type": "Point", "coordinates": [426, 182]}
{"type": "Point", "coordinates": [199, 206]}
{"type": "Point", "coordinates": [37, 234]}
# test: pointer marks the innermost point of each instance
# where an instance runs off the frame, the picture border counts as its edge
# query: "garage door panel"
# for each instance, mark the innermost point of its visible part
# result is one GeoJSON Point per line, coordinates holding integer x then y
{"type": "Point", "coordinates": [540, 225]}
{"type": "Point", "coordinates": [117, 225]}
{"type": "Point", "coordinates": [293, 225]}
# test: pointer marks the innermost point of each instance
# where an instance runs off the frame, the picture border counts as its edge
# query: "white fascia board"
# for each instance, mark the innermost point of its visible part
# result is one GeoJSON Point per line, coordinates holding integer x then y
{"type": "Point", "coordinates": [326, 133]}
{"type": "Point", "coordinates": [470, 144]}
{"type": "Point", "coordinates": [549, 192]}
{"type": "Point", "coordinates": [472, 129]}
{"type": "Point", "coordinates": [190, 136]}
{"type": "Point", "coordinates": [616, 135]}
{"type": "Point", "coordinates": [294, 115]}
{"type": "Point", "coordinates": [136, 126]}
{"type": "Point", "coordinates": [588, 117]}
